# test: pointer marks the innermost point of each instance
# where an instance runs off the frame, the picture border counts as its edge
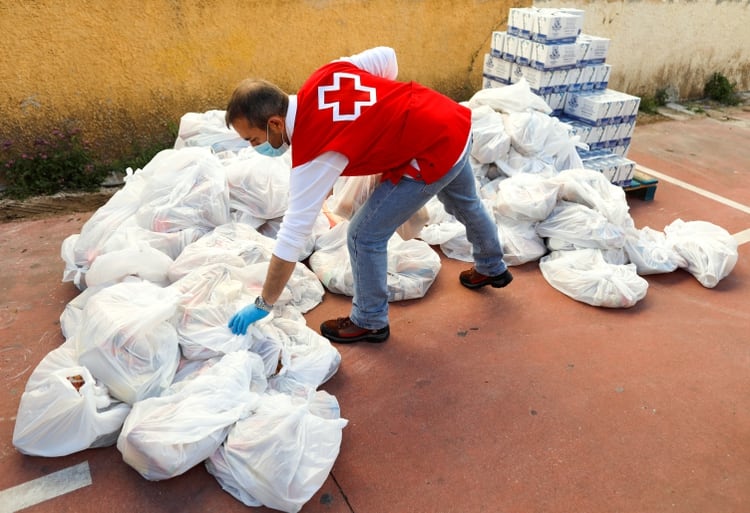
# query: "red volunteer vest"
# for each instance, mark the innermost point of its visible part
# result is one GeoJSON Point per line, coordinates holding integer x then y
{"type": "Point", "coordinates": [380, 125]}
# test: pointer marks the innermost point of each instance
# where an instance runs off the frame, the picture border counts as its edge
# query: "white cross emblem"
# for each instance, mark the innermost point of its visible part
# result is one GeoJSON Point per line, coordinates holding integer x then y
{"type": "Point", "coordinates": [355, 96]}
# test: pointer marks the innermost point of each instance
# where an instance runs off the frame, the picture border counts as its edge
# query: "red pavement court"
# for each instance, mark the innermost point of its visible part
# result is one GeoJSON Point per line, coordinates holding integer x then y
{"type": "Point", "coordinates": [516, 400]}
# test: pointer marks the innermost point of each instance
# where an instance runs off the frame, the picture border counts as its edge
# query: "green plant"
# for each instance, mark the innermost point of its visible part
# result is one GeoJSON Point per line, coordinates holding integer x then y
{"type": "Point", "coordinates": [57, 163]}
{"type": "Point", "coordinates": [662, 96]}
{"type": "Point", "coordinates": [650, 104]}
{"type": "Point", "coordinates": [141, 154]}
{"type": "Point", "coordinates": [719, 88]}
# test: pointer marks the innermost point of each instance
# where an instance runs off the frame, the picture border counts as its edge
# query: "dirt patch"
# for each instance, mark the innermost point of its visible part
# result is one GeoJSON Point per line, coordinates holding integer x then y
{"type": "Point", "coordinates": [58, 204]}
{"type": "Point", "coordinates": [645, 118]}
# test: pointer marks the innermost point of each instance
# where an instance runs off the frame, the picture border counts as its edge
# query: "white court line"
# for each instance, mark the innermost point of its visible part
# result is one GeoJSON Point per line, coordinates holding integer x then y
{"type": "Point", "coordinates": [741, 237]}
{"type": "Point", "coordinates": [697, 190]}
{"type": "Point", "coordinates": [45, 488]}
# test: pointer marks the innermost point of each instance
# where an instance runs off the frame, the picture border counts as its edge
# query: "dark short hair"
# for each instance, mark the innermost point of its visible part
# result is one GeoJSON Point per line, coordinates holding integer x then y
{"type": "Point", "coordinates": [256, 100]}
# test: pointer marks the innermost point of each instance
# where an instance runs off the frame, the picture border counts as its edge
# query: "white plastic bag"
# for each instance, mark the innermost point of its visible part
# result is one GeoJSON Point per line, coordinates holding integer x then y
{"type": "Point", "coordinates": [591, 188]}
{"type": "Point", "coordinates": [519, 163]}
{"type": "Point", "coordinates": [458, 247]}
{"type": "Point", "coordinates": [306, 356]}
{"type": "Point", "coordinates": [440, 226]}
{"type": "Point", "coordinates": [79, 250]}
{"type": "Point", "coordinates": [210, 296]}
{"type": "Point", "coordinates": [141, 261]}
{"type": "Point", "coordinates": [208, 129]}
{"type": "Point", "coordinates": [525, 197]}
{"type": "Point", "coordinates": [585, 276]}
{"type": "Point", "coordinates": [63, 410]}
{"type": "Point", "coordinates": [129, 235]}
{"type": "Point", "coordinates": [165, 436]}
{"type": "Point", "coordinates": [234, 244]}
{"type": "Point", "coordinates": [529, 131]}
{"type": "Point", "coordinates": [517, 97]}
{"type": "Point", "coordinates": [649, 251]}
{"type": "Point", "coordinates": [520, 242]}
{"type": "Point", "coordinates": [127, 340]}
{"type": "Point", "coordinates": [186, 188]}
{"type": "Point", "coordinates": [280, 456]}
{"type": "Point", "coordinates": [491, 141]}
{"type": "Point", "coordinates": [70, 318]}
{"type": "Point", "coordinates": [258, 185]}
{"type": "Point", "coordinates": [709, 251]}
{"type": "Point", "coordinates": [581, 226]}
{"type": "Point", "coordinates": [351, 192]}
{"type": "Point", "coordinates": [412, 265]}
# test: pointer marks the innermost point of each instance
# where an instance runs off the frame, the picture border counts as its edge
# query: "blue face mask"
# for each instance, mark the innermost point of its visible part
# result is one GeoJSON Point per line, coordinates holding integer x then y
{"type": "Point", "coordinates": [268, 150]}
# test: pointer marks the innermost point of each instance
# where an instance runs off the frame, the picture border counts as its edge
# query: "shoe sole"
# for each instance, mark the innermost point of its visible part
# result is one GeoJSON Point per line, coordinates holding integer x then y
{"type": "Point", "coordinates": [495, 285]}
{"type": "Point", "coordinates": [372, 338]}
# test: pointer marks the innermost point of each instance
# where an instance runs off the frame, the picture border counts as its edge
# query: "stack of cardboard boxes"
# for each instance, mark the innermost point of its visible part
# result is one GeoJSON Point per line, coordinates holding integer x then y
{"type": "Point", "coordinates": [568, 70]}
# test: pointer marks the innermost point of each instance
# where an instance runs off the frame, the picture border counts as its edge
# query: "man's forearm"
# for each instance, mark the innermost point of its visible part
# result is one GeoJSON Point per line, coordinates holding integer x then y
{"type": "Point", "coordinates": [279, 272]}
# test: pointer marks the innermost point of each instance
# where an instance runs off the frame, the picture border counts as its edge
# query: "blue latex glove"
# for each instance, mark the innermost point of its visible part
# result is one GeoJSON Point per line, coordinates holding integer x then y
{"type": "Point", "coordinates": [244, 318]}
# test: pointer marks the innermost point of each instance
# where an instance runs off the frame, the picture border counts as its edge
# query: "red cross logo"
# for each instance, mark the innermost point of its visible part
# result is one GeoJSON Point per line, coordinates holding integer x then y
{"type": "Point", "coordinates": [346, 96]}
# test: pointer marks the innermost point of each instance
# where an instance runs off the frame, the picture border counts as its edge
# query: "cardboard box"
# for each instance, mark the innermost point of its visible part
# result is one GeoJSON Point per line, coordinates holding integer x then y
{"type": "Point", "coordinates": [524, 51]}
{"type": "Point", "coordinates": [625, 171]}
{"type": "Point", "coordinates": [549, 57]}
{"type": "Point", "coordinates": [622, 148]}
{"type": "Point", "coordinates": [556, 26]}
{"type": "Point", "coordinates": [602, 107]}
{"type": "Point", "coordinates": [491, 82]}
{"type": "Point", "coordinates": [594, 49]}
{"type": "Point", "coordinates": [610, 137]}
{"type": "Point", "coordinates": [520, 21]}
{"type": "Point", "coordinates": [511, 48]}
{"type": "Point", "coordinates": [577, 129]}
{"type": "Point", "coordinates": [630, 107]}
{"type": "Point", "coordinates": [587, 79]}
{"type": "Point", "coordinates": [625, 130]}
{"type": "Point", "coordinates": [573, 78]}
{"type": "Point", "coordinates": [586, 107]}
{"type": "Point", "coordinates": [556, 102]}
{"type": "Point", "coordinates": [497, 45]}
{"type": "Point", "coordinates": [540, 82]}
{"type": "Point", "coordinates": [596, 137]}
{"type": "Point", "coordinates": [617, 169]}
{"type": "Point", "coordinates": [497, 68]}
{"type": "Point", "coordinates": [604, 165]}
{"type": "Point", "coordinates": [601, 76]}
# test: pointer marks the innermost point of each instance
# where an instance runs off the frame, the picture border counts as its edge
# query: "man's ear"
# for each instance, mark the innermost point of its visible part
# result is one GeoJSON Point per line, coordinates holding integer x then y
{"type": "Point", "coordinates": [276, 122]}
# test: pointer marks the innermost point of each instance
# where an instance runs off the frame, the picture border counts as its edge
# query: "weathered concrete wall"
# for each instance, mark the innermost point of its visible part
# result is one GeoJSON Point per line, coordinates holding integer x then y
{"type": "Point", "coordinates": [125, 71]}
{"type": "Point", "coordinates": [670, 44]}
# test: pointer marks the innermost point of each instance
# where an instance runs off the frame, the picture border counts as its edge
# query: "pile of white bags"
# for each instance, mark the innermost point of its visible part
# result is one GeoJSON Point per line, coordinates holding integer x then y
{"type": "Point", "coordinates": [150, 364]}
{"type": "Point", "coordinates": [544, 201]}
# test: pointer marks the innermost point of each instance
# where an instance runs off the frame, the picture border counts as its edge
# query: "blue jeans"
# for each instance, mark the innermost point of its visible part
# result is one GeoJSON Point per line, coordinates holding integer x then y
{"type": "Point", "coordinates": [391, 205]}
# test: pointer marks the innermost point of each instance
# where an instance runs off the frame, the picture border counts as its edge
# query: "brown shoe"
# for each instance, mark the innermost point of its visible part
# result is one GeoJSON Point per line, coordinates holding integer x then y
{"type": "Point", "coordinates": [473, 280]}
{"type": "Point", "coordinates": [344, 331]}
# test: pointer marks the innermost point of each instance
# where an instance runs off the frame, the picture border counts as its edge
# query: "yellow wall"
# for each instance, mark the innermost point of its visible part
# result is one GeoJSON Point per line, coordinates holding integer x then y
{"type": "Point", "coordinates": [124, 70]}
